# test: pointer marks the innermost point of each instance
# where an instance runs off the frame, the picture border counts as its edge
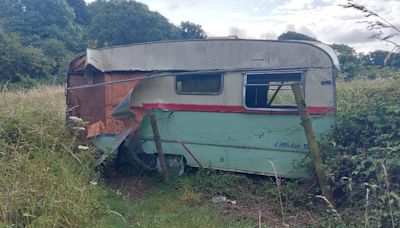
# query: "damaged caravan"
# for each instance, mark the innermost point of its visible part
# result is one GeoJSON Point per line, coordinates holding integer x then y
{"type": "Point", "coordinates": [219, 104]}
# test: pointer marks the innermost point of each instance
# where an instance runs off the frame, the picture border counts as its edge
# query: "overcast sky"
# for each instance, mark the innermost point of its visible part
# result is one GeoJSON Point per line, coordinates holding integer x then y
{"type": "Point", "coordinates": [267, 19]}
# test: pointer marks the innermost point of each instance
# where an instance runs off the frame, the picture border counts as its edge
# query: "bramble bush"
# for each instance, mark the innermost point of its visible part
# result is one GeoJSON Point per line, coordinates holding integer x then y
{"type": "Point", "coordinates": [363, 152]}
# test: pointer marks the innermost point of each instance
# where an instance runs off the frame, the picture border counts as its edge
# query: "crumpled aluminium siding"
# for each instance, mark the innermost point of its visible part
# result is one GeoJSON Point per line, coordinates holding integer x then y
{"type": "Point", "coordinates": [212, 55]}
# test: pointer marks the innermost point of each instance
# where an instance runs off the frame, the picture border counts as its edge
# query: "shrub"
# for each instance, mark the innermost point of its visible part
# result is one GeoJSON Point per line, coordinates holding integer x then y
{"type": "Point", "coordinates": [363, 154]}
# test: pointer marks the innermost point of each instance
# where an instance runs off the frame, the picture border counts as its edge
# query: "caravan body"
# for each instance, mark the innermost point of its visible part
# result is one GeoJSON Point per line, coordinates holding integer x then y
{"type": "Point", "coordinates": [220, 104]}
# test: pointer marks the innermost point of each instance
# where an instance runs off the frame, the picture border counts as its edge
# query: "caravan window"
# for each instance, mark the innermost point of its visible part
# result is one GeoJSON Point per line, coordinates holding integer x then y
{"type": "Point", "coordinates": [270, 90]}
{"type": "Point", "coordinates": [199, 84]}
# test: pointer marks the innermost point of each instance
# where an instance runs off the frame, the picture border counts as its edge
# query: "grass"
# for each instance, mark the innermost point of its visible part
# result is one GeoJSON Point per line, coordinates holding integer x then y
{"type": "Point", "coordinates": [42, 183]}
{"type": "Point", "coordinates": [46, 181]}
{"type": "Point", "coordinates": [170, 206]}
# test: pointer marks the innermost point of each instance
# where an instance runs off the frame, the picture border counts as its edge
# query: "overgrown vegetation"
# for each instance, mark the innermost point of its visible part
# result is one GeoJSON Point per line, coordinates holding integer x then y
{"type": "Point", "coordinates": [38, 38]}
{"type": "Point", "coordinates": [48, 180]}
{"type": "Point", "coordinates": [363, 157]}
{"type": "Point", "coordinates": [44, 179]}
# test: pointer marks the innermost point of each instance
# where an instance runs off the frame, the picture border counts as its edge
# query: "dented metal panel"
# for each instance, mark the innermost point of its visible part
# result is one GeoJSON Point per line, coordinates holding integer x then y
{"type": "Point", "coordinates": [217, 129]}
{"type": "Point", "coordinates": [212, 55]}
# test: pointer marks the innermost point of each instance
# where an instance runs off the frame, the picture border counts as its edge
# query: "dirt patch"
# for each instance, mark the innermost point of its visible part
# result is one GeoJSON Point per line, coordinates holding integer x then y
{"type": "Point", "coordinates": [269, 213]}
{"type": "Point", "coordinates": [134, 187]}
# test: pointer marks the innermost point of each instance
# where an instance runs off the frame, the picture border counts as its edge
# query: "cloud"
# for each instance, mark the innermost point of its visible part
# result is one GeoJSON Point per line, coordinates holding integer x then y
{"type": "Point", "coordinates": [296, 5]}
{"type": "Point", "coordinates": [325, 20]}
{"type": "Point", "coordinates": [176, 4]}
{"type": "Point", "coordinates": [352, 36]}
{"type": "Point", "coordinates": [332, 23]}
{"type": "Point", "coordinates": [235, 31]}
{"type": "Point", "coordinates": [290, 27]}
{"type": "Point", "coordinates": [269, 35]}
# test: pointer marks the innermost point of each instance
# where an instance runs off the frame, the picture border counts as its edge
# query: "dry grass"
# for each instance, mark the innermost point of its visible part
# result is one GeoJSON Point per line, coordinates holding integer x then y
{"type": "Point", "coordinates": [40, 182]}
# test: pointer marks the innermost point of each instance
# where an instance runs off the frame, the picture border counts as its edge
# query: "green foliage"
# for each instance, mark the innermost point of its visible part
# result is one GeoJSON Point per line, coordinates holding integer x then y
{"type": "Point", "coordinates": [364, 150]}
{"type": "Point", "coordinates": [56, 51]}
{"type": "Point", "coordinates": [383, 59]}
{"type": "Point", "coordinates": [81, 11]}
{"type": "Point", "coordinates": [44, 179]}
{"type": "Point", "coordinates": [215, 184]}
{"type": "Point", "coordinates": [38, 40]}
{"type": "Point", "coordinates": [35, 20]}
{"type": "Point", "coordinates": [21, 63]}
{"type": "Point", "coordinates": [190, 30]}
{"type": "Point", "coordinates": [119, 22]}
{"type": "Point", "coordinates": [180, 205]}
{"type": "Point", "coordinates": [348, 60]}
{"type": "Point", "coordinates": [374, 72]}
{"type": "Point", "coordinates": [295, 36]}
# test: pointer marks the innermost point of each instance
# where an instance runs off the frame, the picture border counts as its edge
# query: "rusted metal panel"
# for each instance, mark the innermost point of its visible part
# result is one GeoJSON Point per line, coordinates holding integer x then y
{"type": "Point", "coordinates": [219, 129]}
{"type": "Point", "coordinates": [96, 104]}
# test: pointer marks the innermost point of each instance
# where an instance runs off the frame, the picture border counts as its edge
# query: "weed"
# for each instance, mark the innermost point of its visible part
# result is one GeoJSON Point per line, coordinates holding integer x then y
{"type": "Point", "coordinates": [44, 177]}
{"type": "Point", "coordinates": [363, 151]}
{"type": "Point", "coordinates": [219, 183]}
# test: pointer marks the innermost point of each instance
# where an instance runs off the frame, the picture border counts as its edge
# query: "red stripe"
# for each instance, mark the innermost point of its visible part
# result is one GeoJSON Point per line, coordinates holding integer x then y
{"type": "Point", "coordinates": [232, 108]}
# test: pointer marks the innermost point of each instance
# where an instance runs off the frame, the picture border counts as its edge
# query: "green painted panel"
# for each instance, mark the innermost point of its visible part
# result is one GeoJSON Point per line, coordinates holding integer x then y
{"type": "Point", "coordinates": [236, 141]}
{"type": "Point", "coordinates": [105, 142]}
{"type": "Point", "coordinates": [287, 164]}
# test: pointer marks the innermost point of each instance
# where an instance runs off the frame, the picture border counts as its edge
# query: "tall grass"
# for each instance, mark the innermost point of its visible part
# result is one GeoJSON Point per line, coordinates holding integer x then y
{"type": "Point", "coordinates": [41, 183]}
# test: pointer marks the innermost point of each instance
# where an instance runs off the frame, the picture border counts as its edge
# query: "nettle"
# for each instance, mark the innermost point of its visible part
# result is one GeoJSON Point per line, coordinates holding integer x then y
{"type": "Point", "coordinates": [363, 152]}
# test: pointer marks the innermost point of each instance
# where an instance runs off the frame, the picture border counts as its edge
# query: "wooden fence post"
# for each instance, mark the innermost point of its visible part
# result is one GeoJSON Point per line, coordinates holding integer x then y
{"type": "Point", "coordinates": [313, 145]}
{"type": "Point", "coordinates": [160, 152]}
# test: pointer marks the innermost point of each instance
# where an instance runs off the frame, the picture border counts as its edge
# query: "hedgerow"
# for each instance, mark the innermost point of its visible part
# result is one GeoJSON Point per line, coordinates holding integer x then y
{"type": "Point", "coordinates": [363, 152]}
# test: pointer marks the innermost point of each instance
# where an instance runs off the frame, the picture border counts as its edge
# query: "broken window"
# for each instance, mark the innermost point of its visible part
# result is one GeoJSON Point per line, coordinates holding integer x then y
{"type": "Point", "coordinates": [271, 90]}
{"type": "Point", "coordinates": [199, 84]}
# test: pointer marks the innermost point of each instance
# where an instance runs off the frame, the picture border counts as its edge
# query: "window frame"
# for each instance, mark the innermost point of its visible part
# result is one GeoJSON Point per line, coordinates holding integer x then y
{"type": "Point", "coordinates": [302, 73]}
{"type": "Point", "coordinates": [200, 93]}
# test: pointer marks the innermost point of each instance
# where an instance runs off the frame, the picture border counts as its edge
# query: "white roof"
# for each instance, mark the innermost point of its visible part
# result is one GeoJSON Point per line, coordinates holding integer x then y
{"type": "Point", "coordinates": [217, 54]}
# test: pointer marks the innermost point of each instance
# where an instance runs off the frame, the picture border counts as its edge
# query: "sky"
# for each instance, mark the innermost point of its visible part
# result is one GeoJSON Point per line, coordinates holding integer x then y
{"type": "Point", "coordinates": [325, 20]}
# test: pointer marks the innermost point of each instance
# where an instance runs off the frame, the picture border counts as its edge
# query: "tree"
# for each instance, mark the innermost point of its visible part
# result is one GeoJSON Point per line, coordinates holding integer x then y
{"type": "Point", "coordinates": [18, 62]}
{"type": "Point", "coordinates": [35, 20]}
{"type": "Point", "coordinates": [117, 22]}
{"type": "Point", "coordinates": [378, 57]}
{"type": "Point", "coordinates": [348, 60]}
{"type": "Point", "coordinates": [190, 30]}
{"type": "Point", "coordinates": [382, 58]}
{"type": "Point", "coordinates": [56, 50]}
{"type": "Point", "coordinates": [295, 36]}
{"type": "Point", "coordinates": [81, 11]}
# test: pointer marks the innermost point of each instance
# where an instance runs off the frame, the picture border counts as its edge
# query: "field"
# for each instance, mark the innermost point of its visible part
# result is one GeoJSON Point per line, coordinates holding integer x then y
{"type": "Point", "coordinates": [47, 181]}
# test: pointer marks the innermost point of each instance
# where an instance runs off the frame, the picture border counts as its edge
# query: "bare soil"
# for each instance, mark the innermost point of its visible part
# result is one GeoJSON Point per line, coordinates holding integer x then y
{"type": "Point", "coordinates": [258, 208]}
{"type": "Point", "coordinates": [134, 187]}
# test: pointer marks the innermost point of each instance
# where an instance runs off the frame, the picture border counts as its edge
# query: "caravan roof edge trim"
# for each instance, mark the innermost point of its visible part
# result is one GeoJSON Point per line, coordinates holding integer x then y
{"type": "Point", "coordinates": [210, 54]}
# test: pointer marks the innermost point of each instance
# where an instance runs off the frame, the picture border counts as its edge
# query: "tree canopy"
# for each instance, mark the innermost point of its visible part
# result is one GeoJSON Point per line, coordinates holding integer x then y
{"type": "Point", "coordinates": [290, 35]}
{"type": "Point", "coordinates": [35, 20]}
{"type": "Point", "coordinates": [81, 11]}
{"type": "Point", "coordinates": [119, 22]}
{"type": "Point", "coordinates": [190, 30]}
{"type": "Point", "coordinates": [38, 38]}
{"type": "Point", "coordinates": [349, 61]}
{"type": "Point", "coordinates": [22, 63]}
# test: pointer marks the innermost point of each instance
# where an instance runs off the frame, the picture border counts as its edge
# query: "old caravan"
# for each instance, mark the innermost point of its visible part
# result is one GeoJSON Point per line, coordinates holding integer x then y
{"type": "Point", "coordinates": [219, 104]}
